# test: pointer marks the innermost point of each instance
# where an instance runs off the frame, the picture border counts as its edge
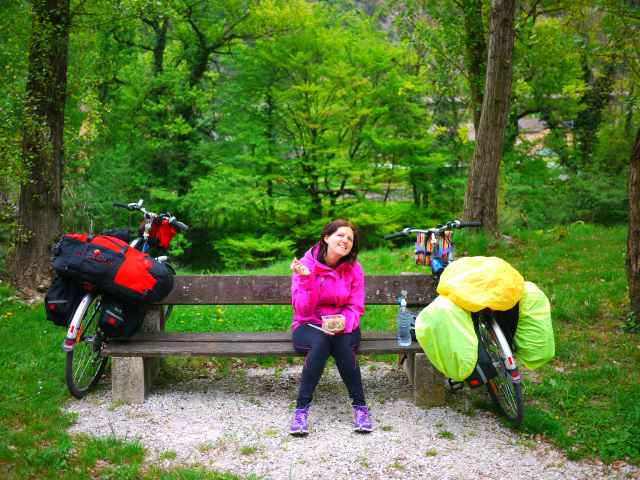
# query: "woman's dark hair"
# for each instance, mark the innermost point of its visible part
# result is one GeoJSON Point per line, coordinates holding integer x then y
{"type": "Point", "coordinates": [328, 230]}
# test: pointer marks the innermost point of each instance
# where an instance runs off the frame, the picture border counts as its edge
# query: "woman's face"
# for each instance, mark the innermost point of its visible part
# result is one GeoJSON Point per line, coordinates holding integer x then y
{"type": "Point", "coordinates": [339, 242]}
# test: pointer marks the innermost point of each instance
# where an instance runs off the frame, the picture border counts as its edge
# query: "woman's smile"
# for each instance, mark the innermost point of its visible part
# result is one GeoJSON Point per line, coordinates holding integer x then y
{"type": "Point", "coordinates": [339, 245]}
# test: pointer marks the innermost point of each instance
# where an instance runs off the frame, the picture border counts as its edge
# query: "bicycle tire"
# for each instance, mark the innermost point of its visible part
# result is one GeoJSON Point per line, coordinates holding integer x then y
{"type": "Point", "coordinates": [506, 395]}
{"type": "Point", "coordinates": [84, 365]}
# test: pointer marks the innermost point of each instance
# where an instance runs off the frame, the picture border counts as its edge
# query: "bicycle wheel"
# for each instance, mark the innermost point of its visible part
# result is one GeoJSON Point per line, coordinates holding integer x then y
{"type": "Point", "coordinates": [84, 365]}
{"type": "Point", "coordinates": [506, 395]}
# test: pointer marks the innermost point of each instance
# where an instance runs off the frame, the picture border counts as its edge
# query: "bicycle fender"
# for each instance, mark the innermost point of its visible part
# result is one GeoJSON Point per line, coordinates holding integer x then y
{"type": "Point", "coordinates": [514, 375]}
{"type": "Point", "coordinates": [76, 322]}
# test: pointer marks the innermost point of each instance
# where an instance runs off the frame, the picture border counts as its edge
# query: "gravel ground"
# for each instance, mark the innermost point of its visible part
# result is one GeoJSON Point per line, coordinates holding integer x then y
{"type": "Point", "coordinates": [238, 423]}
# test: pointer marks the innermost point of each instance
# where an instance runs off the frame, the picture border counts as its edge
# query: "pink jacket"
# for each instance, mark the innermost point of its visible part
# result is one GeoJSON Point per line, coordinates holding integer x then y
{"type": "Point", "coordinates": [327, 292]}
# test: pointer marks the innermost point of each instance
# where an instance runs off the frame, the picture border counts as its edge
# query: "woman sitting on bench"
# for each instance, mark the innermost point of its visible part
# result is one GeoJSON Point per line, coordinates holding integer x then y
{"type": "Point", "coordinates": [329, 281]}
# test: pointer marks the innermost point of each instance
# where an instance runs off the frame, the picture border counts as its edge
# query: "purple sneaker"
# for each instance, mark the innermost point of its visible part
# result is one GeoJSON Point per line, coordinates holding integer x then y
{"type": "Point", "coordinates": [363, 419]}
{"type": "Point", "coordinates": [299, 422]}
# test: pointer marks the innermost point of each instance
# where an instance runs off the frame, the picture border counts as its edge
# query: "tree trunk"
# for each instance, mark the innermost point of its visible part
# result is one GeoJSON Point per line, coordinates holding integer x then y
{"type": "Point", "coordinates": [476, 52]}
{"type": "Point", "coordinates": [633, 237]}
{"type": "Point", "coordinates": [481, 195]}
{"type": "Point", "coordinates": [40, 204]}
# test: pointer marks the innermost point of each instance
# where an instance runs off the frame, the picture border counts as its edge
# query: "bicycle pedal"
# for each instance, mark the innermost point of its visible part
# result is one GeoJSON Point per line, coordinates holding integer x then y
{"type": "Point", "coordinates": [453, 385]}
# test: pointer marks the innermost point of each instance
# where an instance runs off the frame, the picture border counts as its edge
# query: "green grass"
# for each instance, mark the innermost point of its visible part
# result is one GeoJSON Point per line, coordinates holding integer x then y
{"type": "Point", "coordinates": [33, 438]}
{"type": "Point", "coordinates": [584, 401]}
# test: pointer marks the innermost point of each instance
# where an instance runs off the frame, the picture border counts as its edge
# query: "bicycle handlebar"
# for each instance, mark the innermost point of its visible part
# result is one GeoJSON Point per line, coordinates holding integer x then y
{"type": "Point", "coordinates": [124, 205]}
{"type": "Point", "coordinates": [441, 228]}
{"type": "Point", "coordinates": [163, 216]}
{"type": "Point", "coordinates": [403, 233]}
{"type": "Point", "coordinates": [180, 225]}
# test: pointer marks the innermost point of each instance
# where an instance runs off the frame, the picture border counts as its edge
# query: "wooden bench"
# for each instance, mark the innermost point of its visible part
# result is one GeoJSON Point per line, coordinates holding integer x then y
{"type": "Point", "coordinates": [135, 361]}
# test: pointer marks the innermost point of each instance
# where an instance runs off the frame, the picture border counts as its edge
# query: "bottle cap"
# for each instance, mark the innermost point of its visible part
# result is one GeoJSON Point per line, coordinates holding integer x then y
{"type": "Point", "coordinates": [403, 302]}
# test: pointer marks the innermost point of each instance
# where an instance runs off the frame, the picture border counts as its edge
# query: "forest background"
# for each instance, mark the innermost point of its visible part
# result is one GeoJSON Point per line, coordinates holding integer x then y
{"type": "Point", "coordinates": [254, 122]}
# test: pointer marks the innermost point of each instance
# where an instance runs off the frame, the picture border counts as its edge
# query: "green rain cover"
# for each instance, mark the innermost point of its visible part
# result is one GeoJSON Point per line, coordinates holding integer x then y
{"type": "Point", "coordinates": [534, 336]}
{"type": "Point", "coordinates": [445, 332]}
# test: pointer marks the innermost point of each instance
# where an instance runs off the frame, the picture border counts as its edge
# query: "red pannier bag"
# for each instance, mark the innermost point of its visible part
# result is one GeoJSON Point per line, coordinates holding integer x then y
{"type": "Point", "coordinates": [114, 266]}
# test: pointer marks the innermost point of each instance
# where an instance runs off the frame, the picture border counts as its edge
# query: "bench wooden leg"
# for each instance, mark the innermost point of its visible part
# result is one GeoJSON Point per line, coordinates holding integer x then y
{"type": "Point", "coordinates": [132, 377]}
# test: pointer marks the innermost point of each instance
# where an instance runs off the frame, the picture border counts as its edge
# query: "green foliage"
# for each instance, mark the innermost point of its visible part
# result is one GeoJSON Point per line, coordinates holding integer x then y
{"type": "Point", "coordinates": [250, 251]}
{"type": "Point", "coordinates": [313, 108]}
{"type": "Point", "coordinates": [632, 325]}
{"type": "Point", "coordinates": [607, 433]}
{"type": "Point", "coordinates": [7, 233]}
{"type": "Point", "coordinates": [542, 75]}
{"type": "Point", "coordinates": [614, 144]}
{"type": "Point", "coordinates": [254, 118]}
{"type": "Point", "coordinates": [529, 176]}
{"type": "Point", "coordinates": [14, 38]}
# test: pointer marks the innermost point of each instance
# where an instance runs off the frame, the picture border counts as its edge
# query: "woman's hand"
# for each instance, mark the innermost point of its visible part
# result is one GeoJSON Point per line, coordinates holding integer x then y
{"type": "Point", "coordinates": [297, 267]}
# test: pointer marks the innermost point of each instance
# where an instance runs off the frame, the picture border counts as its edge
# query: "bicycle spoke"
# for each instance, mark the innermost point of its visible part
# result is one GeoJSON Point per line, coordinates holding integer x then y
{"type": "Point", "coordinates": [83, 366]}
{"type": "Point", "coordinates": [505, 394]}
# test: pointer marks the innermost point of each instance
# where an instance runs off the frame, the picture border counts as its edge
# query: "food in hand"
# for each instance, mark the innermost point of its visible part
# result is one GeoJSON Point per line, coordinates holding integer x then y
{"type": "Point", "coordinates": [333, 323]}
{"type": "Point", "coordinates": [299, 268]}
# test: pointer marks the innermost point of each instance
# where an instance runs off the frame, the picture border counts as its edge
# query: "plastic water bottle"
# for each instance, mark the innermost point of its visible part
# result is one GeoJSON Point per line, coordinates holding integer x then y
{"type": "Point", "coordinates": [404, 324]}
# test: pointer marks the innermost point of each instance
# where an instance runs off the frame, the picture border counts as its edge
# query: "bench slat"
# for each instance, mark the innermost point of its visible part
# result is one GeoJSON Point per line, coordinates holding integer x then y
{"type": "Point", "coordinates": [132, 348]}
{"type": "Point", "coordinates": [249, 337]}
{"type": "Point", "coordinates": [418, 289]}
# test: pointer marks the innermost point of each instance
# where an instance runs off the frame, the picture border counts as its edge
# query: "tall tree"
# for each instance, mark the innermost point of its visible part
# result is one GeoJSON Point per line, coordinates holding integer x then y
{"type": "Point", "coordinates": [40, 205]}
{"type": "Point", "coordinates": [481, 194]}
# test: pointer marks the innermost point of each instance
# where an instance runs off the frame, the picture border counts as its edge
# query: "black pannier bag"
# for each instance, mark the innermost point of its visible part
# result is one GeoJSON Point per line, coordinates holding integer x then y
{"type": "Point", "coordinates": [61, 300]}
{"type": "Point", "coordinates": [114, 266]}
{"type": "Point", "coordinates": [119, 318]}
{"type": "Point", "coordinates": [123, 234]}
{"type": "Point", "coordinates": [484, 370]}
{"type": "Point", "coordinates": [508, 321]}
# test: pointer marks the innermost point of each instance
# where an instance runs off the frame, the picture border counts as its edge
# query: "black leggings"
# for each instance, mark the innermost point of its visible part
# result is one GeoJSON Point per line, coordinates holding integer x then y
{"type": "Point", "coordinates": [317, 346]}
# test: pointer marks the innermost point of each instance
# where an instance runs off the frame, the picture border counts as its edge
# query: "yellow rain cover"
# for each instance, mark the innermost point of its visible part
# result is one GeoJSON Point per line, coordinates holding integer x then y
{"type": "Point", "coordinates": [476, 283]}
{"type": "Point", "coordinates": [445, 333]}
{"type": "Point", "coordinates": [534, 336]}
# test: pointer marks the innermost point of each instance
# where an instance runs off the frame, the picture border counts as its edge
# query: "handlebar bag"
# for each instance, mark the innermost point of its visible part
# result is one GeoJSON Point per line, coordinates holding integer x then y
{"type": "Point", "coordinates": [61, 300]}
{"type": "Point", "coordinates": [111, 264]}
{"type": "Point", "coordinates": [119, 318]}
{"type": "Point", "coordinates": [160, 233]}
{"type": "Point", "coordinates": [424, 248]}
